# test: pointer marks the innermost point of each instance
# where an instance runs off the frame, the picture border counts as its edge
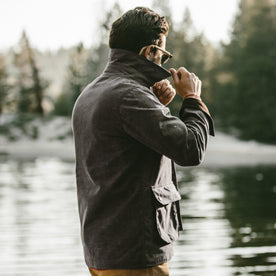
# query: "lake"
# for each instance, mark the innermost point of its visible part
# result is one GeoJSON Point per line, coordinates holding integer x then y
{"type": "Point", "coordinates": [229, 218]}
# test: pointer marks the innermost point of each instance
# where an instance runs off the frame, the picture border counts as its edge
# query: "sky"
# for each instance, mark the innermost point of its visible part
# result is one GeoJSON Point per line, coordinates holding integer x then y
{"type": "Point", "coordinates": [51, 24]}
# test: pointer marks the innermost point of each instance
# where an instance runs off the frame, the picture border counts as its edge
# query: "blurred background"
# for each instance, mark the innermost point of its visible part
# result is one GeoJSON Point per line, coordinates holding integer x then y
{"type": "Point", "coordinates": [50, 50]}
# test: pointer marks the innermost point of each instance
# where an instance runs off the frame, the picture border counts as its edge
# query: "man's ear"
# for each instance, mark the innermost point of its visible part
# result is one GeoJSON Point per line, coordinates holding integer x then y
{"type": "Point", "coordinates": [148, 52]}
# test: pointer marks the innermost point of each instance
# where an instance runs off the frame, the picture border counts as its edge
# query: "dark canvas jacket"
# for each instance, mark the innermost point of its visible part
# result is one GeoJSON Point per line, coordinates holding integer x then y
{"type": "Point", "coordinates": [125, 142]}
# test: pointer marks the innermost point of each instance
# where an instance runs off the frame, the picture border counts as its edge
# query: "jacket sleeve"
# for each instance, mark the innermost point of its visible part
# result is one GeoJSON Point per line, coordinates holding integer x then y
{"type": "Point", "coordinates": [183, 140]}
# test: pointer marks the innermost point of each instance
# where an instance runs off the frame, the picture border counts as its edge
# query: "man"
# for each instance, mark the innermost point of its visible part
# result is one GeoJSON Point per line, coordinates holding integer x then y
{"type": "Point", "coordinates": [126, 141]}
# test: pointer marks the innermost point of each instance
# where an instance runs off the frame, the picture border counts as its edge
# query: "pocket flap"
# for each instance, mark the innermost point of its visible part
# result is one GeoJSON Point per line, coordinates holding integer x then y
{"type": "Point", "coordinates": [166, 194]}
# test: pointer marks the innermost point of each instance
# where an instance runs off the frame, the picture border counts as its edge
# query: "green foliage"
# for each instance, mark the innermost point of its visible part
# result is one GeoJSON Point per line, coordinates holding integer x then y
{"type": "Point", "coordinates": [74, 83]}
{"type": "Point", "coordinates": [246, 100]}
{"type": "Point", "coordinates": [256, 80]}
{"type": "Point", "coordinates": [63, 106]}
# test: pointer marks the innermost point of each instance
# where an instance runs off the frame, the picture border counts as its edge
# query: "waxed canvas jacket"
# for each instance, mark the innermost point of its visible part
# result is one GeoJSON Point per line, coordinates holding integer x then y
{"type": "Point", "coordinates": [125, 143]}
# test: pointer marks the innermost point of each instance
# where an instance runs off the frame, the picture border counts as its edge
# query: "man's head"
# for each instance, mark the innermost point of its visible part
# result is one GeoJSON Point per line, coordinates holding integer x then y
{"type": "Point", "coordinates": [140, 28]}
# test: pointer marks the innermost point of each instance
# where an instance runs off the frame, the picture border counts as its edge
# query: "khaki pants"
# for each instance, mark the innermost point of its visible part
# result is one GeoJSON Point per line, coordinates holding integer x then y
{"type": "Point", "coordinates": [159, 270]}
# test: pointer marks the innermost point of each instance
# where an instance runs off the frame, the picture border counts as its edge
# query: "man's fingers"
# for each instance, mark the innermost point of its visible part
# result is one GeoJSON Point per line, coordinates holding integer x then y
{"type": "Point", "coordinates": [185, 82]}
{"type": "Point", "coordinates": [168, 93]}
{"type": "Point", "coordinates": [199, 87]}
{"type": "Point", "coordinates": [160, 87]}
{"type": "Point", "coordinates": [182, 73]}
{"type": "Point", "coordinates": [174, 75]}
{"type": "Point", "coordinates": [164, 85]}
{"type": "Point", "coordinates": [173, 71]}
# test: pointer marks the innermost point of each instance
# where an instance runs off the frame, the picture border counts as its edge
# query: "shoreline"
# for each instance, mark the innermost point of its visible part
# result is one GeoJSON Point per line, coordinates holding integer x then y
{"type": "Point", "coordinates": [223, 151]}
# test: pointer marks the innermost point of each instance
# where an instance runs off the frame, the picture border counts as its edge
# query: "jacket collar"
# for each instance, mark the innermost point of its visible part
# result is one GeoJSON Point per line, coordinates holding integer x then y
{"type": "Point", "coordinates": [136, 67]}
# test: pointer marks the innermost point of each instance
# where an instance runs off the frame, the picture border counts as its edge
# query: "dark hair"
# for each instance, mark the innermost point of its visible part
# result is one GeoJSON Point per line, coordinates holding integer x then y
{"type": "Point", "coordinates": [137, 28]}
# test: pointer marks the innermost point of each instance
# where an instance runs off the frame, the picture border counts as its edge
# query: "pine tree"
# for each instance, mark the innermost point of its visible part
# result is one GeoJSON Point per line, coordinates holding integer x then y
{"type": "Point", "coordinates": [74, 83]}
{"type": "Point", "coordinates": [4, 88]}
{"type": "Point", "coordinates": [256, 80]}
{"type": "Point", "coordinates": [30, 85]}
{"type": "Point", "coordinates": [244, 87]}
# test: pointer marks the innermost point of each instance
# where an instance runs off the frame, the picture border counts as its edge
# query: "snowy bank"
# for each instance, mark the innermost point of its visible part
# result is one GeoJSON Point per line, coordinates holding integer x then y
{"type": "Point", "coordinates": [225, 150]}
{"type": "Point", "coordinates": [54, 139]}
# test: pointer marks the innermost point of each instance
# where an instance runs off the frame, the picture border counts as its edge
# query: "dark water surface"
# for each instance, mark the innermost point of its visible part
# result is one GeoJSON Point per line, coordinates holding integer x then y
{"type": "Point", "coordinates": [229, 220]}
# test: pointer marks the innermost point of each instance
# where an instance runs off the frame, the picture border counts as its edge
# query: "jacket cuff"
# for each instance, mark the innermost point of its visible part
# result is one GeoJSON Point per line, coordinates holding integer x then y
{"type": "Point", "coordinates": [197, 104]}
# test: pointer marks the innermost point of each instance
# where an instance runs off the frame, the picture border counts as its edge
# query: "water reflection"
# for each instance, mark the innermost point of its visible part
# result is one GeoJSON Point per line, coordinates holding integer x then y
{"type": "Point", "coordinates": [206, 231]}
{"type": "Point", "coordinates": [39, 223]}
{"type": "Point", "coordinates": [250, 206]}
{"type": "Point", "coordinates": [229, 221]}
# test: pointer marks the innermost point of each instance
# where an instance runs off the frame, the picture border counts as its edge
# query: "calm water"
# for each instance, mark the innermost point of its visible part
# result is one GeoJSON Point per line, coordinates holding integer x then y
{"type": "Point", "coordinates": [229, 221]}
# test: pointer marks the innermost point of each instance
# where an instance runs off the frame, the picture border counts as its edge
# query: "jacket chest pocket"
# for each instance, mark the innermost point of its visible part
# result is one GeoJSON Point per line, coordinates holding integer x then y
{"type": "Point", "coordinates": [166, 212]}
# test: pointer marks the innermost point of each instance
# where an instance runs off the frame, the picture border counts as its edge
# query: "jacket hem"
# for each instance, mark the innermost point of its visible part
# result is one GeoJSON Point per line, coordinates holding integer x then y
{"type": "Point", "coordinates": [105, 266]}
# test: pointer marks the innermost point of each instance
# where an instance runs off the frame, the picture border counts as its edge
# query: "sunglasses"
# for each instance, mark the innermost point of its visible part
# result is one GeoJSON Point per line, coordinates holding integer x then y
{"type": "Point", "coordinates": [165, 57]}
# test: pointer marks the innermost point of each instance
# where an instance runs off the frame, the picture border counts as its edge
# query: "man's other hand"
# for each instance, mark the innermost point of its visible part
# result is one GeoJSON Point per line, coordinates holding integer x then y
{"type": "Point", "coordinates": [186, 84]}
{"type": "Point", "coordinates": [164, 91]}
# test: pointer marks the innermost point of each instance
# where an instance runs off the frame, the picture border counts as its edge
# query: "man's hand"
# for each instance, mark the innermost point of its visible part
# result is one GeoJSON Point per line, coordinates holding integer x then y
{"type": "Point", "coordinates": [186, 84]}
{"type": "Point", "coordinates": [164, 91]}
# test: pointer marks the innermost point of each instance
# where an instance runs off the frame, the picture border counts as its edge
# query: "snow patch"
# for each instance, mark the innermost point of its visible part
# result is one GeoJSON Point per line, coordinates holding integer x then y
{"type": "Point", "coordinates": [40, 138]}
